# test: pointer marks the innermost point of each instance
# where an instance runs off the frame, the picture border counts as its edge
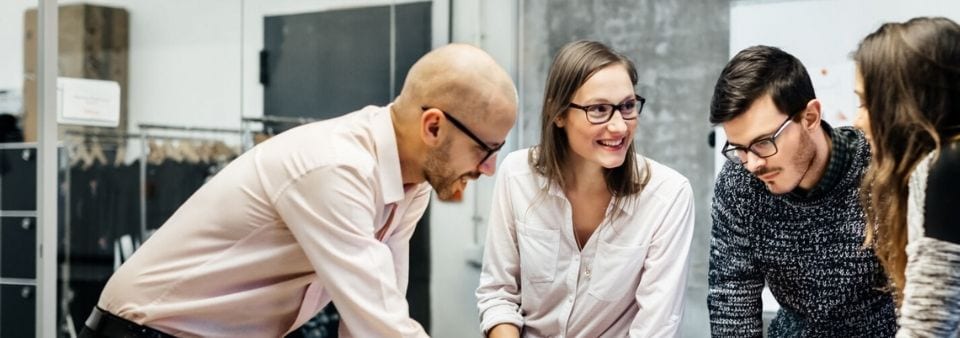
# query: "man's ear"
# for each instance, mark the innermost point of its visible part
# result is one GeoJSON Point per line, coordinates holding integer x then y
{"type": "Point", "coordinates": [811, 115]}
{"type": "Point", "coordinates": [430, 126]}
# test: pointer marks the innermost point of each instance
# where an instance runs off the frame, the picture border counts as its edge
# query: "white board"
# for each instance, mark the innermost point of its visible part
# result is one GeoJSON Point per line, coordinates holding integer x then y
{"type": "Point", "coordinates": [822, 34]}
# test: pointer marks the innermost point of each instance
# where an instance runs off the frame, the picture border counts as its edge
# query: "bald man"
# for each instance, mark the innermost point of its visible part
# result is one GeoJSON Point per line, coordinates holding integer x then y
{"type": "Point", "coordinates": [323, 212]}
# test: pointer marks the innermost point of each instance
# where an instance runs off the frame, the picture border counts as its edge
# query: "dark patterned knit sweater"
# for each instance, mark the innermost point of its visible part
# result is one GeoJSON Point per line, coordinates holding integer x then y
{"type": "Point", "coordinates": [808, 250]}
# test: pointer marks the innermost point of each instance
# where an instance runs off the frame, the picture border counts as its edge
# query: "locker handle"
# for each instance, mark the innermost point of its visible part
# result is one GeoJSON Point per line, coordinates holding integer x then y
{"type": "Point", "coordinates": [25, 223]}
{"type": "Point", "coordinates": [25, 292]}
{"type": "Point", "coordinates": [25, 155]}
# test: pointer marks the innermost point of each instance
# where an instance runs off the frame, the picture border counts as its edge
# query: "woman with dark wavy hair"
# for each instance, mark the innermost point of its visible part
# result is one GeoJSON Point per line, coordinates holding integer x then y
{"type": "Point", "coordinates": [586, 238]}
{"type": "Point", "coordinates": [908, 81]}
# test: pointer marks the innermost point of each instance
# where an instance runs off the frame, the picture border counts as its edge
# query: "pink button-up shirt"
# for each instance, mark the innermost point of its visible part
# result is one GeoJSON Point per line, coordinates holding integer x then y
{"type": "Point", "coordinates": [292, 224]}
{"type": "Point", "coordinates": [629, 280]}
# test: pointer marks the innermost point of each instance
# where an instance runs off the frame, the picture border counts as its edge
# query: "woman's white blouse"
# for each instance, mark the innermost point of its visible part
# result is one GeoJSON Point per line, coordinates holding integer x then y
{"type": "Point", "coordinates": [629, 280]}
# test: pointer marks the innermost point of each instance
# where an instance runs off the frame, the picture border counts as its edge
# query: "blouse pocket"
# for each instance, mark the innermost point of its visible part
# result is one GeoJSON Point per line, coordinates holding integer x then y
{"type": "Point", "coordinates": [616, 270]}
{"type": "Point", "coordinates": [538, 253]}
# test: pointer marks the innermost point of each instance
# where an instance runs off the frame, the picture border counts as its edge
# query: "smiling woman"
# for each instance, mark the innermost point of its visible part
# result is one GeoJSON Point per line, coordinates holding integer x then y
{"type": "Point", "coordinates": [584, 203]}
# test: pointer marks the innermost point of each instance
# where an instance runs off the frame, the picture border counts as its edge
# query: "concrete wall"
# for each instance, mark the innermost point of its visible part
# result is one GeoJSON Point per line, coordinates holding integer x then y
{"type": "Point", "coordinates": [679, 48]}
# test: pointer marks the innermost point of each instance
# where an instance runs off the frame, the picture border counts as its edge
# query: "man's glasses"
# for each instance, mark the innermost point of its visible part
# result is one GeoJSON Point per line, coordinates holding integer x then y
{"type": "Point", "coordinates": [601, 113]}
{"type": "Point", "coordinates": [763, 148]}
{"type": "Point", "coordinates": [456, 123]}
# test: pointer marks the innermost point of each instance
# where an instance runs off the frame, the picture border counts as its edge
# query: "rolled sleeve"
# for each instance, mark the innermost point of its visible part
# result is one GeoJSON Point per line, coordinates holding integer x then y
{"type": "Point", "coordinates": [660, 294]}
{"type": "Point", "coordinates": [498, 296]}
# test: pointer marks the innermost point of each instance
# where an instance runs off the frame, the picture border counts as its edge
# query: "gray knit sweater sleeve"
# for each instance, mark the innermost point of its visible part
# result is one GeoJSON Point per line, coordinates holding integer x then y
{"type": "Point", "coordinates": [736, 281]}
{"type": "Point", "coordinates": [931, 304]}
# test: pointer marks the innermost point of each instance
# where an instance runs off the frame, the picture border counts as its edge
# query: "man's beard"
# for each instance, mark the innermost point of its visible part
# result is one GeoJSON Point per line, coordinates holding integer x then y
{"type": "Point", "coordinates": [801, 161]}
{"type": "Point", "coordinates": [444, 180]}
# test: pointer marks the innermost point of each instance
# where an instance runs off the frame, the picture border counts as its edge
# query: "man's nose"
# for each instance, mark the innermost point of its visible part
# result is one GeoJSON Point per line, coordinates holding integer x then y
{"type": "Point", "coordinates": [489, 166]}
{"type": "Point", "coordinates": [754, 162]}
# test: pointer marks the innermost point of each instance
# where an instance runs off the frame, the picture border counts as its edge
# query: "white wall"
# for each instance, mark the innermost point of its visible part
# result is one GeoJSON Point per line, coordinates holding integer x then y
{"type": "Point", "coordinates": [184, 59]}
{"type": "Point", "coordinates": [11, 42]}
{"type": "Point", "coordinates": [822, 34]}
{"type": "Point", "coordinates": [184, 62]}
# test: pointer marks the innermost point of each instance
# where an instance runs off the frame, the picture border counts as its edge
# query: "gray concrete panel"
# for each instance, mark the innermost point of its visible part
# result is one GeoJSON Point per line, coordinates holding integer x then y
{"type": "Point", "coordinates": [679, 48]}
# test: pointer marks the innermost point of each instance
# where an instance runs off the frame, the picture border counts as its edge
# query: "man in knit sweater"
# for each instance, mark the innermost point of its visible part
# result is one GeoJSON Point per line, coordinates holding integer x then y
{"type": "Point", "coordinates": [786, 211]}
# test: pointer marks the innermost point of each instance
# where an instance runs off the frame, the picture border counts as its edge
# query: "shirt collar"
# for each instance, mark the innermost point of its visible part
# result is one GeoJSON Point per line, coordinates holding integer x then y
{"type": "Point", "coordinates": [840, 155]}
{"type": "Point", "coordinates": [388, 158]}
{"type": "Point", "coordinates": [553, 189]}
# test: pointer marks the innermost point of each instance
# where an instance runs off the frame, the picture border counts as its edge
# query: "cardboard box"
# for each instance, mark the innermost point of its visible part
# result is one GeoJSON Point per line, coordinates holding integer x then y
{"type": "Point", "coordinates": [93, 44]}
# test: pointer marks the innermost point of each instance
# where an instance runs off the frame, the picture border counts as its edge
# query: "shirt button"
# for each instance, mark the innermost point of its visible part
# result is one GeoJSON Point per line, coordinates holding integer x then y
{"type": "Point", "coordinates": [588, 273]}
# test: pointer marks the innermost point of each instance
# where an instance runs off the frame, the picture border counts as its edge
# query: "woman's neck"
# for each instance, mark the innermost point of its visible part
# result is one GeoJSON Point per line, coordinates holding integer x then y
{"type": "Point", "coordinates": [582, 177]}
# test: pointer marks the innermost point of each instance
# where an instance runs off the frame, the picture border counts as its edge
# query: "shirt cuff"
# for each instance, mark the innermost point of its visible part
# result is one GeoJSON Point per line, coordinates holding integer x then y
{"type": "Point", "coordinates": [501, 314]}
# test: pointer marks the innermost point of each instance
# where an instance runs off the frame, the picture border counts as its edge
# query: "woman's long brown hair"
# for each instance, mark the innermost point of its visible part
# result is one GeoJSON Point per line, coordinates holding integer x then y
{"type": "Point", "coordinates": [911, 79]}
{"type": "Point", "coordinates": [573, 65]}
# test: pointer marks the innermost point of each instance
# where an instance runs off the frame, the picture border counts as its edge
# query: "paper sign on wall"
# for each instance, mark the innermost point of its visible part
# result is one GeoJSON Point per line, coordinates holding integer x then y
{"type": "Point", "coordinates": [88, 102]}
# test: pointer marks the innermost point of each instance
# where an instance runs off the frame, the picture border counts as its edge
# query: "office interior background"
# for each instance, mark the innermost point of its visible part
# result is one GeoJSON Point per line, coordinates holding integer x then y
{"type": "Point", "coordinates": [199, 82]}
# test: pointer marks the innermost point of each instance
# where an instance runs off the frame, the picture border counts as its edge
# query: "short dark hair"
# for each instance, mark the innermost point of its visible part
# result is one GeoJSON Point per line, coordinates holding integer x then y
{"type": "Point", "coordinates": [757, 71]}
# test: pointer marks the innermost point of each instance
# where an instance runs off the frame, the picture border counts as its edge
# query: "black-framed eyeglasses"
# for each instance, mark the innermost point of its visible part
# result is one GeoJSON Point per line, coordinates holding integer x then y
{"type": "Point", "coordinates": [601, 113]}
{"type": "Point", "coordinates": [456, 123]}
{"type": "Point", "coordinates": [763, 148]}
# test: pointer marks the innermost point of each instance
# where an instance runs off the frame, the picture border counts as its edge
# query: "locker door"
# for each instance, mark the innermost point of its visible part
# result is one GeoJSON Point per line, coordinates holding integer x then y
{"type": "Point", "coordinates": [18, 247]}
{"type": "Point", "coordinates": [18, 179]}
{"type": "Point", "coordinates": [17, 304]}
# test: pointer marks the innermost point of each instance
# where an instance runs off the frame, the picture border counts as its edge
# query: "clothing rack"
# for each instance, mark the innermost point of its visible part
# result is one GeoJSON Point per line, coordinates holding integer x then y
{"type": "Point", "coordinates": [112, 138]}
{"type": "Point", "coordinates": [279, 119]}
{"type": "Point", "coordinates": [148, 126]}
{"type": "Point", "coordinates": [145, 129]}
{"type": "Point", "coordinates": [101, 133]}
{"type": "Point", "coordinates": [125, 135]}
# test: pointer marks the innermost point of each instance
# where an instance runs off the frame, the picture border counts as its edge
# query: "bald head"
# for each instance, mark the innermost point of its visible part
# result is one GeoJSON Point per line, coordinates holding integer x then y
{"type": "Point", "coordinates": [462, 80]}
